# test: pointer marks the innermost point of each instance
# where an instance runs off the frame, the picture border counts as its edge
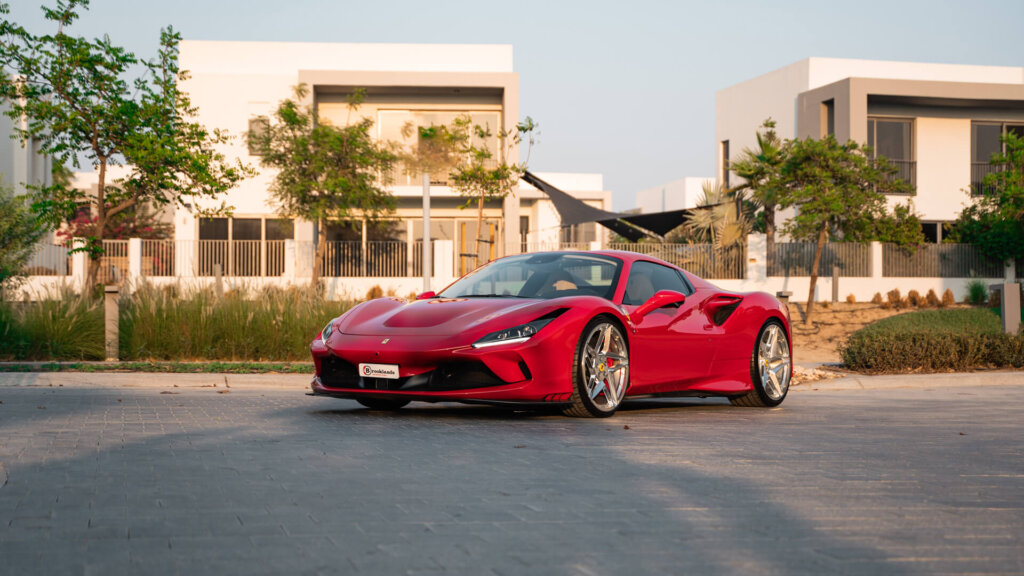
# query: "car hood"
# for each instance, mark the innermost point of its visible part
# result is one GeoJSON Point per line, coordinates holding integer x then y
{"type": "Point", "coordinates": [441, 316]}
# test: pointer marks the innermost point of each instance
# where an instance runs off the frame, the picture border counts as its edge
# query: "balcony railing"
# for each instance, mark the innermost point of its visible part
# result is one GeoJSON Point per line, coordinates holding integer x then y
{"type": "Point", "coordinates": [906, 170]}
{"type": "Point", "coordinates": [978, 172]}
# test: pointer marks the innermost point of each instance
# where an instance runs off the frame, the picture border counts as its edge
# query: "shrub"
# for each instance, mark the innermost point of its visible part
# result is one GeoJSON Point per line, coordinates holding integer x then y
{"type": "Point", "coordinates": [933, 341]}
{"type": "Point", "coordinates": [893, 299]}
{"type": "Point", "coordinates": [914, 298]}
{"type": "Point", "coordinates": [947, 298]}
{"type": "Point", "coordinates": [270, 324]}
{"type": "Point", "coordinates": [375, 292]}
{"type": "Point", "coordinates": [61, 326]}
{"type": "Point", "coordinates": [877, 298]}
{"type": "Point", "coordinates": [932, 299]}
{"type": "Point", "coordinates": [977, 292]}
{"type": "Point", "coordinates": [851, 299]}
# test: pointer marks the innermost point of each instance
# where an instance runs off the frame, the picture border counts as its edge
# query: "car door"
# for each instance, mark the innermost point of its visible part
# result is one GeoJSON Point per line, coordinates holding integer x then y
{"type": "Point", "coordinates": [669, 349]}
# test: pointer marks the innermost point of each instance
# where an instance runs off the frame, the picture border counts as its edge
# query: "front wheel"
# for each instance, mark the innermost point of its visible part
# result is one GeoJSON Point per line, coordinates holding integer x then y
{"type": "Point", "coordinates": [771, 368]}
{"type": "Point", "coordinates": [382, 403]}
{"type": "Point", "coordinates": [600, 370]}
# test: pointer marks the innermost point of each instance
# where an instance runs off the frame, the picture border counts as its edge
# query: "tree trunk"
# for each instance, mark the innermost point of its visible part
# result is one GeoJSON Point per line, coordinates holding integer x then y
{"type": "Point", "coordinates": [101, 223]}
{"type": "Point", "coordinates": [769, 233]}
{"type": "Point", "coordinates": [318, 255]}
{"type": "Point", "coordinates": [822, 236]}
{"type": "Point", "coordinates": [479, 229]}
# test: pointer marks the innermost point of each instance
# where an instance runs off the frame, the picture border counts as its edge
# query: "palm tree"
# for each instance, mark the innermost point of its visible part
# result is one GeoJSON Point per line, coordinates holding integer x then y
{"type": "Point", "coordinates": [760, 170]}
{"type": "Point", "coordinates": [721, 217]}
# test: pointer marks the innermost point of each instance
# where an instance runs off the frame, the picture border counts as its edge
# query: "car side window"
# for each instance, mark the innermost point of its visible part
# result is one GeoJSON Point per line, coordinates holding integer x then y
{"type": "Point", "coordinates": [647, 278]}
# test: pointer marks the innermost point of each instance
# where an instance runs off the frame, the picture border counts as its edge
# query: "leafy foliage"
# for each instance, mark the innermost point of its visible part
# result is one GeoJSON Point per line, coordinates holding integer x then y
{"type": "Point", "coordinates": [324, 172]}
{"type": "Point", "coordinates": [995, 221]}
{"type": "Point", "coordinates": [721, 217]}
{"type": "Point", "coordinates": [78, 97]}
{"type": "Point", "coordinates": [839, 191]}
{"type": "Point", "coordinates": [761, 171]}
{"type": "Point", "coordinates": [483, 174]}
{"type": "Point", "coordinates": [19, 232]}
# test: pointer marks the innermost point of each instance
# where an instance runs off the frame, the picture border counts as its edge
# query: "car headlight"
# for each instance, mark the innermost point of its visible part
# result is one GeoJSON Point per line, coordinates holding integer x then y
{"type": "Point", "coordinates": [514, 335]}
{"type": "Point", "coordinates": [327, 331]}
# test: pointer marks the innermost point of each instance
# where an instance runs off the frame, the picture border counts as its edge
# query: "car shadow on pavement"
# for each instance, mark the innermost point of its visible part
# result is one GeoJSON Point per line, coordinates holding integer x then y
{"type": "Point", "coordinates": [253, 484]}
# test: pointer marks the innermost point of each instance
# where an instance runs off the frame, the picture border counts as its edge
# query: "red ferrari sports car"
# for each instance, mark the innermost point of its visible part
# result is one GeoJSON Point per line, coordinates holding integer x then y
{"type": "Point", "coordinates": [580, 331]}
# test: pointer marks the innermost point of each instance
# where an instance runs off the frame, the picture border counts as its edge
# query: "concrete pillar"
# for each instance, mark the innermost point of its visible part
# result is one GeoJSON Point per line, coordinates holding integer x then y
{"type": "Point", "coordinates": [510, 210]}
{"type": "Point", "coordinates": [757, 258]}
{"type": "Point", "coordinates": [1009, 304]}
{"type": "Point", "coordinates": [1010, 271]}
{"type": "Point", "coordinates": [444, 262]}
{"type": "Point", "coordinates": [185, 252]}
{"type": "Point", "coordinates": [111, 296]}
{"type": "Point", "coordinates": [79, 264]}
{"type": "Point", "coordinates": [134, 261]}
{"type": "Point", "coordinates": [876, 261]}
{"type": "Point", "coordinates": [289, 261]}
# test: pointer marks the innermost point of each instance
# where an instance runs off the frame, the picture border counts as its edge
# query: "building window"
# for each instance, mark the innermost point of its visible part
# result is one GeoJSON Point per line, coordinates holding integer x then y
{"type": "Point", "coordinates": [892, 138]}
{"type": "Point", "coordinates": [401, 127]}
{"type": "Point", "coordinates": [579, 233]}
{"type": "Point", "coordinates": [828, 112]}
{"type": "Point", "coordinates": [986, 141]}
{"type": "Point", "coordinates": [243, 246]}
{"type": "Point", "coordinates": [725, 163]}
{"type": "Point", "coordinates": [258, 128]}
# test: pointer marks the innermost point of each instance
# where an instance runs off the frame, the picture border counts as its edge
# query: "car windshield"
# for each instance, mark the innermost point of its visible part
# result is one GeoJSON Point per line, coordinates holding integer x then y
{"type": "Point", "coordinates": [543, 276]}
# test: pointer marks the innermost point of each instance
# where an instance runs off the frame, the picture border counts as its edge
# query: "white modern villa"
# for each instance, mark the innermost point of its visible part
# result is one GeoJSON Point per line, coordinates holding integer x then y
{"type": "Point", "coordinates": [938, 123]}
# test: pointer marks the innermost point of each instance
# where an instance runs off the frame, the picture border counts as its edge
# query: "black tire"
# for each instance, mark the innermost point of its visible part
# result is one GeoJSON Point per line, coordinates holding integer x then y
{"type": "Point", "coordinates": [582, 405]}
{"type": "Point", "coordinates": [382, 403]}
{"type": "Point", "coordinates": [766, 395]}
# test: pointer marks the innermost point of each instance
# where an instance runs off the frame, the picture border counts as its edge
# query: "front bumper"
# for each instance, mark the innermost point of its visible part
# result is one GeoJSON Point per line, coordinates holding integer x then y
{"type": "Point", "coordinates": [537, 371]}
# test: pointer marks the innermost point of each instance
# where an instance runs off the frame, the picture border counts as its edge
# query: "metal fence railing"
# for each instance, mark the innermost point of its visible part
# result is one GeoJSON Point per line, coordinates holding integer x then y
{"type": "Point", "coordinates": [49, 260]}
{"type": "Point", "coordinates": [979, 170]}
{"type": "Point", "coordinates": [113, 264]}
{"type": "Point", "coordinates": [791, 259]}
{"type": "Point", "coordinates": [158, 257]}
{"type": "Point", "coordinates": [700, 259]}
{"type": "Point", "coordinates": [937, 261]}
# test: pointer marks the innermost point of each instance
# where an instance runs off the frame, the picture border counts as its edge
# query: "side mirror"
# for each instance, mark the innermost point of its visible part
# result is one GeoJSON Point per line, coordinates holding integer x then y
{"type": "Point", "coordinates": [425, 295]}
{"type": "Point", "coordinates": [660, 299]}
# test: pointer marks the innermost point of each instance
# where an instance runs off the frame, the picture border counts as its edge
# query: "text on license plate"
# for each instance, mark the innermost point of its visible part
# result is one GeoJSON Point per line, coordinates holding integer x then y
{"type": "Point", "coordinates": [379, 371]}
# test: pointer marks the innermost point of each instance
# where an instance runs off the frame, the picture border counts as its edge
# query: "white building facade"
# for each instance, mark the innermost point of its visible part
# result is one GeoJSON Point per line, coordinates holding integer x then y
{"type": "Point", "coordinates": [236, 85]}
{"type": "Point", "coordinates": [675, 195]}
{"type": "Point", "coordinates": [938, 123]}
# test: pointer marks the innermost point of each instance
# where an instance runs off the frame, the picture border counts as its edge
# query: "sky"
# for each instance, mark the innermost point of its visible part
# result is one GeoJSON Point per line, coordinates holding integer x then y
{"type": "Point", "coordinates": [625, 89]}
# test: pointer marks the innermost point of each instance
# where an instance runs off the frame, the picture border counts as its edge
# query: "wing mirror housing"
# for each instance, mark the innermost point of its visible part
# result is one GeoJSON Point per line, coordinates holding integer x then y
{"type": "Point", "coordinates": [661, 299]}
{"type": "Point", "coordinates": [426, 295]}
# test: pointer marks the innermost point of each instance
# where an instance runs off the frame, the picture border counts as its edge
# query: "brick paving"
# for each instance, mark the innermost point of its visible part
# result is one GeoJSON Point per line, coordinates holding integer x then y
{"type": "Point", "coordinates": [194, 480]}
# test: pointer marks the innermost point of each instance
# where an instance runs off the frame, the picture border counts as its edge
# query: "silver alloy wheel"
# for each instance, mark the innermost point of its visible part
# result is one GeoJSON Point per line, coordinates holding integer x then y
{"type": "Point", "coordinates": [605, 366]}
{"type": "Point", "coordinates": [773, 361]}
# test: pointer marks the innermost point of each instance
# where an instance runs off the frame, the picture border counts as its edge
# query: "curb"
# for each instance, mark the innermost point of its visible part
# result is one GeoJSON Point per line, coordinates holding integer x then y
{"type": "Point", "coordinates": [895, 381]}
{"type": "Point", "coordinates": [152, 380]}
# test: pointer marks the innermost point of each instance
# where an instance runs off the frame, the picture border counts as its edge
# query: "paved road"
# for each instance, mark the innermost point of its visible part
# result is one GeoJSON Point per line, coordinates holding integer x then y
{"type": "Point", "coordinates": [102, 478]}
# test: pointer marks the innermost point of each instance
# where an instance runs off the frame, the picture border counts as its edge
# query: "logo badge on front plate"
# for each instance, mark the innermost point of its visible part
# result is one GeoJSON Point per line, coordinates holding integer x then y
{"type": "Point", "coordinates": [389, 371]}
{"type": "Point", "coordinates": [385, 341]}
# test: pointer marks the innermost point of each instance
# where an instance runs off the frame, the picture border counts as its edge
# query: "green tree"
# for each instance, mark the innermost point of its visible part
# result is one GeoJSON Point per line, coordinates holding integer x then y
{"type": "Point", "coordinates": [484, 174]}
{"type": "Point", "coordinates": [721, 217]}
{"type": "Point", "coordinates": [761, 170]}
{"type": "Point", "coordinates": [85, 98]}
{"type": "Point", "coordinates": [19, 233]}
{"type": "Point", "coordinates": [839, 191]}
{"type": "Point", "coordinates": [995, 220]}
{"type": "Point", "coordinates": [325, 172]}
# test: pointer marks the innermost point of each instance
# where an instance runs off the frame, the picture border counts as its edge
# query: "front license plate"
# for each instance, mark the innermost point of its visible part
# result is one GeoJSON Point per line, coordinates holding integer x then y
{"type": "Point", "coordinates": [389, 371]}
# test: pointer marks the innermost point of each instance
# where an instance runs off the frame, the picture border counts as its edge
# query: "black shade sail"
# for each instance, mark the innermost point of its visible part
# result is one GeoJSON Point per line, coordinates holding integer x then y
{"type": "Point", "coordinates": [631, 226]}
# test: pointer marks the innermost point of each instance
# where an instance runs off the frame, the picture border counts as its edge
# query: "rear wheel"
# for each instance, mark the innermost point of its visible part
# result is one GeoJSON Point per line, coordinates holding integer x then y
{"type": "Point", "coordinates": [771, 368]}
{"type": "Point", "coordinates": [600, 370]}
{"type": "Point", "coordinates": [382, 403]}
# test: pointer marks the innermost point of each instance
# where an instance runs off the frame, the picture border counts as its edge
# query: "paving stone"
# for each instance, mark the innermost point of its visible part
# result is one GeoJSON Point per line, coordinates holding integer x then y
{"type": "Point", "coordinates": [268, 481]}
